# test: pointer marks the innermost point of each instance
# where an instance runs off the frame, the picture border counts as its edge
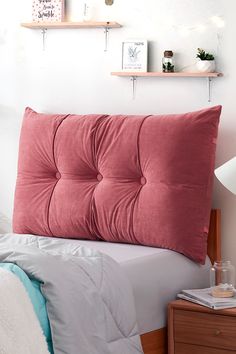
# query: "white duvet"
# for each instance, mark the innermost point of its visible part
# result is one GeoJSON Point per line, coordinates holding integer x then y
{"type": "Point", "coordinates": [90, 302]}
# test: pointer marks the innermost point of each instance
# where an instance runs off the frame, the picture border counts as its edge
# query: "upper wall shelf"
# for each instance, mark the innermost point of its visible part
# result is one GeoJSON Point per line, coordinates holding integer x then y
{"type": "Point", "coordinates": [161, 74]}
{"type": "Point", "coordinates": [72, 25]}
{"type": "Point", "coordinates": [134, 75]}
{"type": "Point", "coordinates": [57, 25]}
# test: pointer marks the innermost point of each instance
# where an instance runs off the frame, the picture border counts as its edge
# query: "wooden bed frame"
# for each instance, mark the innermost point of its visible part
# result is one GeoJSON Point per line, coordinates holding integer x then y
{"type": "Point", "coordinates": [155, 342]}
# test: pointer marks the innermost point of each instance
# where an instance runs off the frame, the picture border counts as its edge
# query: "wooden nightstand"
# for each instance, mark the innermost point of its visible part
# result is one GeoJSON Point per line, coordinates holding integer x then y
{"type": "Point", "coordinates": [195, 329]}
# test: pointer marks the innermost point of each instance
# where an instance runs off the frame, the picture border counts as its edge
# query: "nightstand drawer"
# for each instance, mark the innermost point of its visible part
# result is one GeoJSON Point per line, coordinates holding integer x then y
{"type": "Point", "coordinates": [182, 348]}
{"type": "Point", "coordinates": [205, 329]}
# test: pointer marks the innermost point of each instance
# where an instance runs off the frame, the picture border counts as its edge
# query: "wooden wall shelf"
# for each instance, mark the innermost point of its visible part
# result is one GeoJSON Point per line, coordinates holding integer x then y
{"type": "Point", "coordinates": [134, 75]}
{"type": "Point", "coordinates": [161, 74]}
{"type": "Point", "coordinates": [44, 26]}
{"type": "Point", "coordinates": [67, 25]}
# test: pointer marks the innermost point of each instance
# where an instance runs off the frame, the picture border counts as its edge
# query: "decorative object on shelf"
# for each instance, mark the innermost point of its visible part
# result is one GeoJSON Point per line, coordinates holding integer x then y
{"type": "Point", "coordinates": [206, 62]}
{"type": "Point", "coordinates": [108, 10]}
{"type": "Point", "coordinates": [168, 62]}
{"type": "Point", "coordinates": [87, 10]}
{"type": "Point", "coordinates": [75, 11]}
{"type": "Point", "coordinates": [222, 279]}
{"type": "Point", "coordinates": [134, 55]}
{"type": "Point", "coordinates": [48, 10]}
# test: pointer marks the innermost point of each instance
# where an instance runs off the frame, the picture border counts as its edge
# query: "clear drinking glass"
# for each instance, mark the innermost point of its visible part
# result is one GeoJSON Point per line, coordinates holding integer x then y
{"type": "Point", "coordinates": [222, 279]}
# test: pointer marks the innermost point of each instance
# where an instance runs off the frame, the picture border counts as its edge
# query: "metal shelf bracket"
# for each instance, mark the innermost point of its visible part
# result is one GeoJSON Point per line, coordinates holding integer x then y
{"type": "Point", "coordinates": [209, 82]}
{"type": "Point", "coordinates": [134, 86]}
{"type": "Point", "coordinates": [44, 31]}
{"type": "Point", "coordinates": [106, 31]}
{"type": "Point", "coordinates": [134, 79]}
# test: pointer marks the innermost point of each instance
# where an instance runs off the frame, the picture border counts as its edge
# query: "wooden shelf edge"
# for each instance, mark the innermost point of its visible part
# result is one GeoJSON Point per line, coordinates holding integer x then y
{"type": "Point", "coordinates": [65, 24]}
{"type": "Point", "coordinates": [161, 74]}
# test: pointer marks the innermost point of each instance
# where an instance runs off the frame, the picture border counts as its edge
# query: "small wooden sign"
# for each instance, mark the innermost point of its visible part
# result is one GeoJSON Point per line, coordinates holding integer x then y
{"type": "Point", "coordinates": [48, 10]}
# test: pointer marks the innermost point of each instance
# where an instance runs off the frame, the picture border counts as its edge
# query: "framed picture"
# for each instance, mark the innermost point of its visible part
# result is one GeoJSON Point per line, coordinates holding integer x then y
{"type": "Point", "coordinates": [48, 10]}
{"type": "Point", "coordinates": [135, 55]}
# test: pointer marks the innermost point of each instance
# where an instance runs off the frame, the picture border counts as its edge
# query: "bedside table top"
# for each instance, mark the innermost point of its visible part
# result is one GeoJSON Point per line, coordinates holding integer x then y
{"type": "Point", "coordinates": [190, 306]}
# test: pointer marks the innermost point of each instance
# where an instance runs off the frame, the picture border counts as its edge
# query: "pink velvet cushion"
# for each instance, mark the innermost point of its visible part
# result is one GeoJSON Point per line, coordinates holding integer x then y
{"type": "Point", "coordinates": [136, 179]}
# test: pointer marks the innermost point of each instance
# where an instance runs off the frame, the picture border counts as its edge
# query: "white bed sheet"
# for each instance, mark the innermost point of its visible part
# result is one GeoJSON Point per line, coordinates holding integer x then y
{"type": "Point", "coordinates": [156, 275]}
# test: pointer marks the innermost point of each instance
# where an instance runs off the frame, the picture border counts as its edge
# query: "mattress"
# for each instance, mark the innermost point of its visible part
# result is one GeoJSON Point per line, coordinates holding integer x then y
{"type": "Point", "coordinates": [156, 276]}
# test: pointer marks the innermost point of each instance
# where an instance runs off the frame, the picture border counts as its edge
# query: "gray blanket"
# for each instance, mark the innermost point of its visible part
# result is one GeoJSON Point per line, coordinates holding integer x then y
{"type": "Point", "coordinates": [89, 300]}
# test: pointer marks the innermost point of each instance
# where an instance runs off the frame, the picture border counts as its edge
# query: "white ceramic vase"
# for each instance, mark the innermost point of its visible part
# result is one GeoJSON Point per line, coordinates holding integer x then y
{"type": "Point", "coordinates": [80, 10]}
{"type": "Point", "coordinates": [206, 66]}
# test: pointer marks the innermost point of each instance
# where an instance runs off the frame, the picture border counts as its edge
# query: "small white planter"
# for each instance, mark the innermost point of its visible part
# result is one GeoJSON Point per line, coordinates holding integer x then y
{"type": "Point", "coordinates": [206, 66]}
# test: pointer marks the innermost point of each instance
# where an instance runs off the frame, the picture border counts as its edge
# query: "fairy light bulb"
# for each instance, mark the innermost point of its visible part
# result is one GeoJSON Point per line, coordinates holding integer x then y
{"type": "Point", "coordinates": [184, 31]}
{"type": "Point", "coordinates": [218, 21]}
{"type": "Point", "coordinates": [200, 28]}
{"type": "Point", "coordinates": [169, 23]}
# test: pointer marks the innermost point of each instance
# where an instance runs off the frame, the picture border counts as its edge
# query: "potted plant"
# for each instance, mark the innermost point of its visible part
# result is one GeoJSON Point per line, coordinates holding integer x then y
{"type": "Point", "coordinates": [206, 62]}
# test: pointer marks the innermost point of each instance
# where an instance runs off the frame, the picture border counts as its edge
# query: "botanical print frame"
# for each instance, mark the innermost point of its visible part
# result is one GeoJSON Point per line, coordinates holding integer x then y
{"type": "Point", "coordinates": [135, 55]}
{"type": "Point", "coordinates": [48, 10]}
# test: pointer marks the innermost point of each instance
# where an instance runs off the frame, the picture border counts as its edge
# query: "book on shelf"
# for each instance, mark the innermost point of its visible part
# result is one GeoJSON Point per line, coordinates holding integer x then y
{"type": "Point", "coordinates": [204, 297]}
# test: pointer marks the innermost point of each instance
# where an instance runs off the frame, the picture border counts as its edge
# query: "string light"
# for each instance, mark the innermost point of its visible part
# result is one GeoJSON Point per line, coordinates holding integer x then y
{"type": "Point", "coordinates": [218, 21]}
{"type": "Point", "coordinates": [184, 31]}
{"type": "Point", "coordinates": [167, 23]}
{"type": "Point", "coordinates": [201, 28]}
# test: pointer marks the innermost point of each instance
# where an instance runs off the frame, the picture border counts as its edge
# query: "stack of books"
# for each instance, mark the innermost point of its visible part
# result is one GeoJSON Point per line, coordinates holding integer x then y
{"type": "Point", "coordinates": [204, 297]}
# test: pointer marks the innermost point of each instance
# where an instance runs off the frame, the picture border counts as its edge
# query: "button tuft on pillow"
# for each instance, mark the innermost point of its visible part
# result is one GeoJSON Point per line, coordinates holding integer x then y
{"type": "Point", "coordinates": [99, 177]}
{"type": "Point", "coordinates": [143, 180]}
{"type": "Point", "coordinates": [58, 175]}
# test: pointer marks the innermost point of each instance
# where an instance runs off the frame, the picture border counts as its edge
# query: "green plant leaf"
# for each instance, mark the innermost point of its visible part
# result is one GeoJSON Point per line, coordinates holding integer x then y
{"type": "Point", "coordinates": [202, 55]}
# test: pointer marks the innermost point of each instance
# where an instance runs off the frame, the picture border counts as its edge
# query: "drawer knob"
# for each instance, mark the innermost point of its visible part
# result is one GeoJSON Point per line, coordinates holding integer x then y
{"type": "Point", "coordinates": [217, 332]}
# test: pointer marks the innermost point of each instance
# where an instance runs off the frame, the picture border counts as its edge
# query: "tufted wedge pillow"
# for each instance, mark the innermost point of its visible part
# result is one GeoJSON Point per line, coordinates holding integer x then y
{"type": "Point", "coordinates": [135, 179]}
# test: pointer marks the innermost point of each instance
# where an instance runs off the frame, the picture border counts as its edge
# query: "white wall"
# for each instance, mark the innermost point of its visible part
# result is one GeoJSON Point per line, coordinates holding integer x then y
{"type": "Point", "coordinates": [73, 75]}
